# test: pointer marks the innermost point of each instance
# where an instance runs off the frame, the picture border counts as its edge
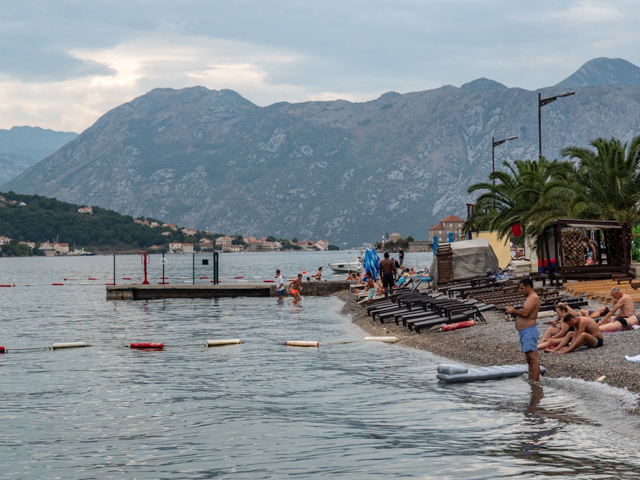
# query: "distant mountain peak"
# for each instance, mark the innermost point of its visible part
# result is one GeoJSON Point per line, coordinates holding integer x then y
{"type": "Point", "coordinates": [602, 71]}
{"type": "Point", "coordinates": [483, 85]}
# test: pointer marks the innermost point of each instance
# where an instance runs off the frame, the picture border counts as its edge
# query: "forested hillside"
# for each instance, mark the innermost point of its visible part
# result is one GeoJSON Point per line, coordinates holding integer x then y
{"type": "Point", "coordinates": [46, 219]}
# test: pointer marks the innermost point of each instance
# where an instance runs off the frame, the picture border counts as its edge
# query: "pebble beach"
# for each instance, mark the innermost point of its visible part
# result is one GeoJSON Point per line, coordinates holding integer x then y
{"type": "Point", "coordinates": [496, 343]}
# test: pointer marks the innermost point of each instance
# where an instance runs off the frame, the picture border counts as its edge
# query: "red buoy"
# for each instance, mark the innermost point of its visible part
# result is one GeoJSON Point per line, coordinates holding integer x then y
{"type": "Point", "coordinates": [201, 278]}
{"type": "Point", "coordinates": [268, 281]}
{"type": "Point", "coordinates": [5, 285]}
{"type": "Point", "coordinates": [158, 346]}
{"type": "Point", "coordinates": [238, 277]}
{"type": "Point", "coordinates": [57, 284]}
{"type": "Point", "coordinates": [1, 349]}
{"type": "Point", "coordinates": [109, 283]}
{"type": "Point", "coordinates": [91, 278]}
{"type": "Point", "coordinates": [126, 278]}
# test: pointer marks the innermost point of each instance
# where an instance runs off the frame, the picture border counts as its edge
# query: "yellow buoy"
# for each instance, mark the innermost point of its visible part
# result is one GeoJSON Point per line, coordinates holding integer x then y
{"type": "Point", "coordinates": [219, 343]}
{"type": "Point", "coordinates": [298, 343]}
{"type": "Point", "coordinates": [70, 345]}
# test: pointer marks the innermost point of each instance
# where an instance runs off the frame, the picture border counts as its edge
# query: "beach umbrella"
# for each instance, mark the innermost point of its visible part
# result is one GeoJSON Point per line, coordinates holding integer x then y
{"type": "Point", "coordinates": [372, 261]}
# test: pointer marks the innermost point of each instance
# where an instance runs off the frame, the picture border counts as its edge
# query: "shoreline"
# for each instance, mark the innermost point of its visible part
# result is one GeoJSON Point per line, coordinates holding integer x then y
{"type": "Point", "coordinates": [496, 343]}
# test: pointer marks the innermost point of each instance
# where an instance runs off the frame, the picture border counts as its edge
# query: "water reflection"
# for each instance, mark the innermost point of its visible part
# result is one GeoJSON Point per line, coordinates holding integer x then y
{"type": "Point", "coordinates": [260, 409]}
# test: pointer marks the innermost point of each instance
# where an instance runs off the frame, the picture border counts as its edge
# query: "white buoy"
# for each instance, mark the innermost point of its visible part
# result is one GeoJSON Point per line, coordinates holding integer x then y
{"type": "Point", "coordinates": [219, 343]}
{"type": "Point", "coordinates": [69, 345]}
{"type": "Point", "coordinates": [298, 343]}
{"type": "Point", "coordinates": [381, 339]}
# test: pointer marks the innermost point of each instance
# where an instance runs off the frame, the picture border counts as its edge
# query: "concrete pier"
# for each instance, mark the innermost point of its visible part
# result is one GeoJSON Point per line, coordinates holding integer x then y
{"type": "Point", "coordinates": [138, 291]}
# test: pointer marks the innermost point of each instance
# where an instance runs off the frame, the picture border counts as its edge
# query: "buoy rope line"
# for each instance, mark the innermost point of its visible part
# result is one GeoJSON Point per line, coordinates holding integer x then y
{"type": "Point", "coordinates": [208, 343]}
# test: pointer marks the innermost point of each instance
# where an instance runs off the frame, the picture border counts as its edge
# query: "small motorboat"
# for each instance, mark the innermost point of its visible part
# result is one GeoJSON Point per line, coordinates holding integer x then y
{"type": "Point", "coordinates": [343, 267]}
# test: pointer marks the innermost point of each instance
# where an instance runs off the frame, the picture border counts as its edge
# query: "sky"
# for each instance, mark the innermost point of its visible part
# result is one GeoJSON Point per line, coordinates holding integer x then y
{"type": "Point", "coordinates": [65, 63]}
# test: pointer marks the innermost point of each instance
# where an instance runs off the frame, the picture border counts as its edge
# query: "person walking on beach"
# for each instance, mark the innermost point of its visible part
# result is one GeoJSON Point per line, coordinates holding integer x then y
{"type": "Point", "coordinates": [295, 287]}
{"type": "Point", "coordinates": [387, 274]}
{"type": "Point", "coordinates": [279, 285]}
{"type": "Point", "coordinates": [526, 319]}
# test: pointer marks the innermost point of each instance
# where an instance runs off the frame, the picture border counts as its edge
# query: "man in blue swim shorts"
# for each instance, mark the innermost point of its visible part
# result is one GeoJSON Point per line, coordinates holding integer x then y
{"type": "Point", "coordinates": [526, 319]}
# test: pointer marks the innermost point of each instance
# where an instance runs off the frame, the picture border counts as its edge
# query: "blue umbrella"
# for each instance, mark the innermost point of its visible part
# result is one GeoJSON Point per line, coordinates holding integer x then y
{"type": "Point", "coordinates": [372, 261]}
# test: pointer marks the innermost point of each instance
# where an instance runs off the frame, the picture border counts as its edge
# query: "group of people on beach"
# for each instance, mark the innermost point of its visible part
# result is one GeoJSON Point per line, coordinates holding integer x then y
{"type": "Point", "coordinates": [571, 329]}
{"type": "Point", "coordinates": [392, 275]}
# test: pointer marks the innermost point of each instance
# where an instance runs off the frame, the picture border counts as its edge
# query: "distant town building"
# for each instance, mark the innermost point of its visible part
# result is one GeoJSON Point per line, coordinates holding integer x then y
{"type": "Point", "coordinates": [22, 204]}
{"type": "Point", "coordinates": [189, 232]}
{"type": "Point", "coordinates": [222, 241]}
{"type": "Point", "coordinates": [87, 210]}
{"type": "Point", "coordinates": [206, 244]}
{"type": "Point", "coordinates": [54, 249]}
{"type": "Point", "coordinates": [306, 245]}
{"type": "Point", "coordinates": [4, 240]}
{"type": "Point", "coordinates": [176, 247]}
{"type": "Point", "coordinates": [450, 224]}
{"type": "Point", "coordinates": [394, 237]}
{"type": "Point", "coordinates": [31, 245]}
{"type": "Point", "coordinates": [322, 245]}
{"type": "Point", "coordinates": [171, 226]}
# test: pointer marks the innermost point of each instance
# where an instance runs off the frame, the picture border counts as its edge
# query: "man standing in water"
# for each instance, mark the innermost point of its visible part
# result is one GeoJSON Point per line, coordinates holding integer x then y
{"type": "Point", "coordinates": [295, 287]}
{"type": "Point", "coordinates": [279, 285]}
{"type": "Point", "coordinates": [526, 326]}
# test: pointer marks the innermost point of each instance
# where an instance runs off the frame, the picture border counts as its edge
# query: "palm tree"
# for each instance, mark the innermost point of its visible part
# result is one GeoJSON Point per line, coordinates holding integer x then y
{"type": "Point", "coordinates": [512, 199]}
{"type": "Point", "coordinates": [603, 184]}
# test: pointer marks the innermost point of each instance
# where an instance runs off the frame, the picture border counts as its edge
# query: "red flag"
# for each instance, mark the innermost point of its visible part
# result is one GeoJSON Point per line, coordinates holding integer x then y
{"type": "Point", "coordinates": [516, 230]}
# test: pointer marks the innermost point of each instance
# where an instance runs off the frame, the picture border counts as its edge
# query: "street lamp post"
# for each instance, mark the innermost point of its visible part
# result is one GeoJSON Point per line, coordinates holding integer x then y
{"type": "Point", "coordinates": [541, 103]}
{"type": "Point", "coordinates": [494, 144]}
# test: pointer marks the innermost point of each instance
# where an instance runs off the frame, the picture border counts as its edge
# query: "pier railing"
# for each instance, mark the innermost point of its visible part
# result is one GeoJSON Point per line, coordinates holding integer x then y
{"type": "Point", "coordinates": [166, 269]}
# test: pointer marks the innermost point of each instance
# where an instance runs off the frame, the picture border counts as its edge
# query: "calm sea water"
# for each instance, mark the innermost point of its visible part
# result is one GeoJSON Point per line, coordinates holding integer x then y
{"type": "Point", "coordinates": [260, 409]}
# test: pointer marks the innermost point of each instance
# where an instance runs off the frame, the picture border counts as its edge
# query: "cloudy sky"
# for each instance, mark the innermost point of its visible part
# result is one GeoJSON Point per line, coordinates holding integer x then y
{"type": "Point", "coordinates": [64, 63]}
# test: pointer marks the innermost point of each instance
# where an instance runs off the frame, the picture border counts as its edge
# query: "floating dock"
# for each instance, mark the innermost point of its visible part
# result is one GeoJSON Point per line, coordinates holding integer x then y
{"type": "Point", "coordinates": [137, 291]}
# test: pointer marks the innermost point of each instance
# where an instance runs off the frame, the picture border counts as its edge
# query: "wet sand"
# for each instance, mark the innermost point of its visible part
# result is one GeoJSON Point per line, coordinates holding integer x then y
{"type": "Point", "coordinates": [496, 343]}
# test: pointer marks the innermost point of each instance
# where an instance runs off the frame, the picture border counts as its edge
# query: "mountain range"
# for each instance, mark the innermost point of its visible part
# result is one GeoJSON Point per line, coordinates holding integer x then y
{"type": "Point", "coordinates": [339, 170]}
{"type": "Point", "coordinates": [21, 147]}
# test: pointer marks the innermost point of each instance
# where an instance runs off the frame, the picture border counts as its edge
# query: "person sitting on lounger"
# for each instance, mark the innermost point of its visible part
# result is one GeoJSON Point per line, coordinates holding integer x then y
{"type": "Point", "coordinates": [370, 287]}
{"type": "Point", "coordinates": [558, 329]}
{"type": "Point", "coordinates": [600, 312]}
{"type": "Point", "coordinates": [620, 323]}
{"type": "Point", "coordinates": [587, 333]}
{"type": "Point", "coordinates": [624, 307]}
